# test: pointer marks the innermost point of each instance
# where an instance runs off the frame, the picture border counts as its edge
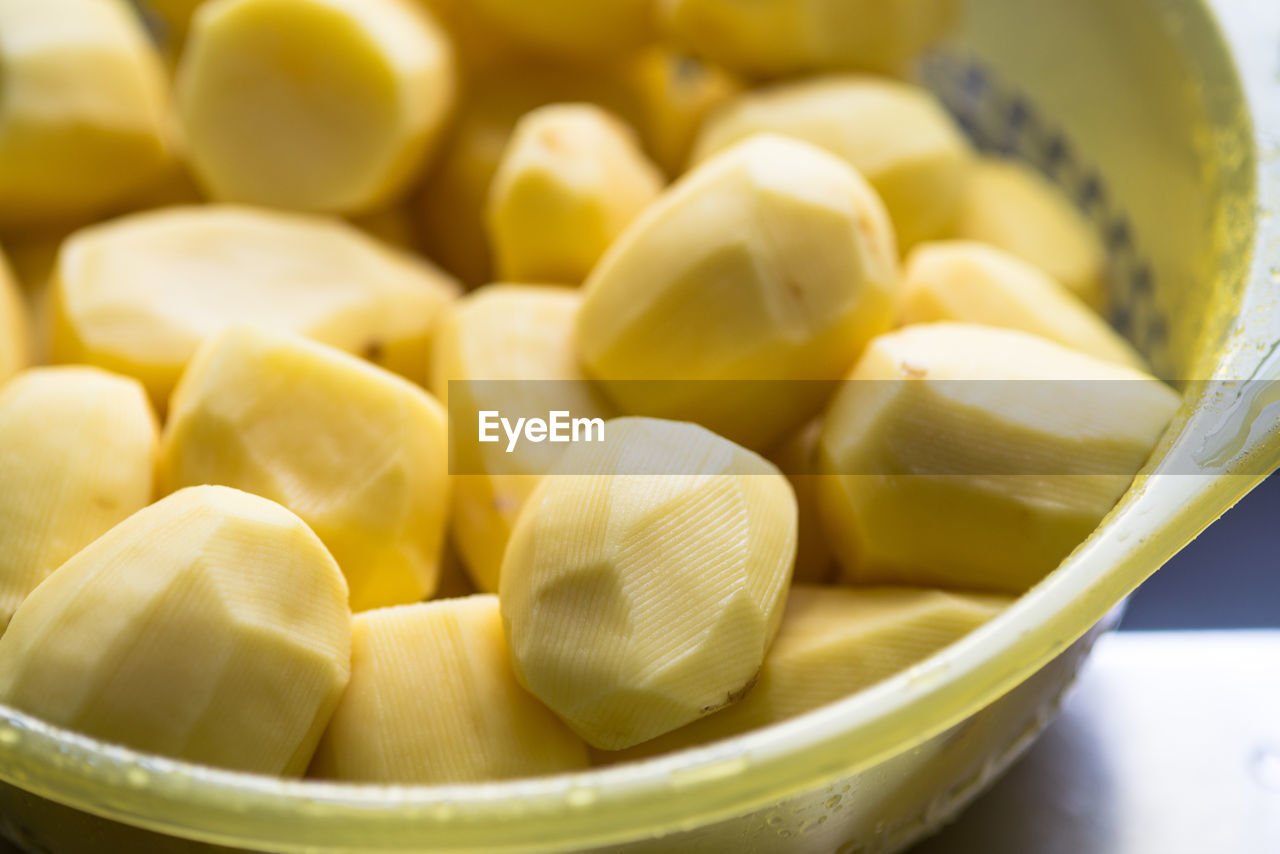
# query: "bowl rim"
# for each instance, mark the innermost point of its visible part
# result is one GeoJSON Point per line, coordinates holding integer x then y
{"type": "Point", "coordinates": [612, 805]}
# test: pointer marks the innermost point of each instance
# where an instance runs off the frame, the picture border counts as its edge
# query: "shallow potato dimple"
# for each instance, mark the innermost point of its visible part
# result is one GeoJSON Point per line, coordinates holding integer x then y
{"type": "Point", "coordinates": [635, 603]}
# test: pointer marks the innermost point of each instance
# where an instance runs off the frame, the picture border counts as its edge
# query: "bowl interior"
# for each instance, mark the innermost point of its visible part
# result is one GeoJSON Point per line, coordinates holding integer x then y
{"type": "Point", "coordinates": [1134, 108]}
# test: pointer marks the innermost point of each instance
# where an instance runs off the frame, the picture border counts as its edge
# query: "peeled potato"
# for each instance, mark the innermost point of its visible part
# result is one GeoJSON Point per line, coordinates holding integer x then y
{"type": "Point", "coordinates": [452, 202]}
{"type": "Point", "coordinates": [635, 603]}
{"type": "Point", "coordinates": [450, 207]}
{"type": "Point", "coordinates": [211, 626]}
{"type": "Point", "coordinates": [977, 458]}
{"type": "Point", "coordinates": [1016, 209]}
{"type": "Point", "coordinates": [772, 262]}
{"type": "Point", "coordinates": [83, 117]}
{"type": "Point", "coordinates": [655, 91]}
{"type": "Point", "coordinates": [971, 282]}
{"type": "Point", "coordinates": [673, 94]}
{"type": "Point", "coordinates": [572, 179]}
{"type": "Point", "coordinates": [433, 699]}
{"type": "Point", "coordinates": [577, 29]}
{"type": "Point", "coordinates": [509, 349]}
{"type": "Point", "coordinates": [77, 455]}
{"type": "Point", "coordinates": [896, 135]}
{"type": "Point", "coordinates": [797, 458]}
{"type": "Point", "coordinates": [358, 453]}
{"type": "Point", "coordinates": [771, 38]}
{"type": "Point", "coordinates": [138, 295]}
{"type": "Point", "coordinates": [316, 105]}
{"type": "Point", "coordinates": [14, 336]}
{"type": "Point", "coordinates": [834, 642]}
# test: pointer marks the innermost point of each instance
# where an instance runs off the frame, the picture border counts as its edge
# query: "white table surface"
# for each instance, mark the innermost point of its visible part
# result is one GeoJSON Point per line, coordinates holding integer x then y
{"type": "Point", "coordinates": [1169, 744]}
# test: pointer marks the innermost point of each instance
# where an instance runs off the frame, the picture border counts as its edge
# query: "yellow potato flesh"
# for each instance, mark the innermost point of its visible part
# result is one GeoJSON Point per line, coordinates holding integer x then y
{"type": "Point", "coordinates": [796, 457]}
{"type": "Point", "coordinates": [771, 38]}
{"type": "Point", "coordinates": [32, 257]}
{"type": "Point", "coordinates": [523, 335]}
{"type": "Point", "coordinates": [392, 225]}
{"type": "Point", "coordinates": [572, 179]}
{"type": "Point", "coordinates": [674, 93]}
{"type": "Point", "coordinates": [664, 96]}
{"type": "Point", "coordinates": [476, 42]}
{"type": "Point", "coordinates": [83, 117]}
{"type": "Point", "coordinates": [317, 105]}
{"type": "Point", "coordinates": [977, 458]}
{"type": "Point", "coordinates": [637, 603]}
{"type": "Point", "coordinates": [433, 699]}
{"type": "Point", "coordinates": [452, 201]}
{"type": "Point", "coordinates": [834, 642]}
{"type": "Point", "coordinates": [175, 15]}
{"type": "Point", "coordinates": [579, 29]}
{"type": "Point", "coordinates": [211, 626]}
{"type": "Point", "coordinates": [358, 453]}
{"type": "Point", "coordinates": [772, 261]}
{"type": "Point", "coordinates": [896, 135]}
{"type": "Point", "coordinates": [455, 580]}
{"type": "Point", "coordinates": [77, 456]}
{"type": "Point", "coordinates": [975, 283]}
{"type": "Point", "coordinates": [140, 294]}
{"type": "Point", "coordinates": [1016, 209]}
{"type": "Point", "coordinates": [14, 333]}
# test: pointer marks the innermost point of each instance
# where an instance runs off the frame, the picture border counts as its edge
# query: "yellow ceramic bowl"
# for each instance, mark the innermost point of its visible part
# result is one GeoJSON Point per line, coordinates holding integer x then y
{"type": "Point", "coordinates": [1138, 107]}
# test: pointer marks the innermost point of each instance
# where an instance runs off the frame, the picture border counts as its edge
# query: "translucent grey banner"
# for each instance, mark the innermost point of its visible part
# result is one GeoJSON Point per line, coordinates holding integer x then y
{"type": "Point", "coordinates": [915, 426]}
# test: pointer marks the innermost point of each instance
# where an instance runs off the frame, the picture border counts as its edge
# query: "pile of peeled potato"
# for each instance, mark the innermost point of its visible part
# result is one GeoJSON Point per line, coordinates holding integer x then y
{"type": "Point", "coordinates": [252, 243]}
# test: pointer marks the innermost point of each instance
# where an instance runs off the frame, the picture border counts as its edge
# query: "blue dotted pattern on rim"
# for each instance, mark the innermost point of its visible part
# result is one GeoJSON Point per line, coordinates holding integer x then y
{"type": "Point", "coordinates": [1001, 121]}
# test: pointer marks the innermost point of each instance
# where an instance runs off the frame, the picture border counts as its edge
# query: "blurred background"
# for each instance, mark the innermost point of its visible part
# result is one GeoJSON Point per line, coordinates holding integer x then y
{"type": "Point", "coordinates": [1228, 578]}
